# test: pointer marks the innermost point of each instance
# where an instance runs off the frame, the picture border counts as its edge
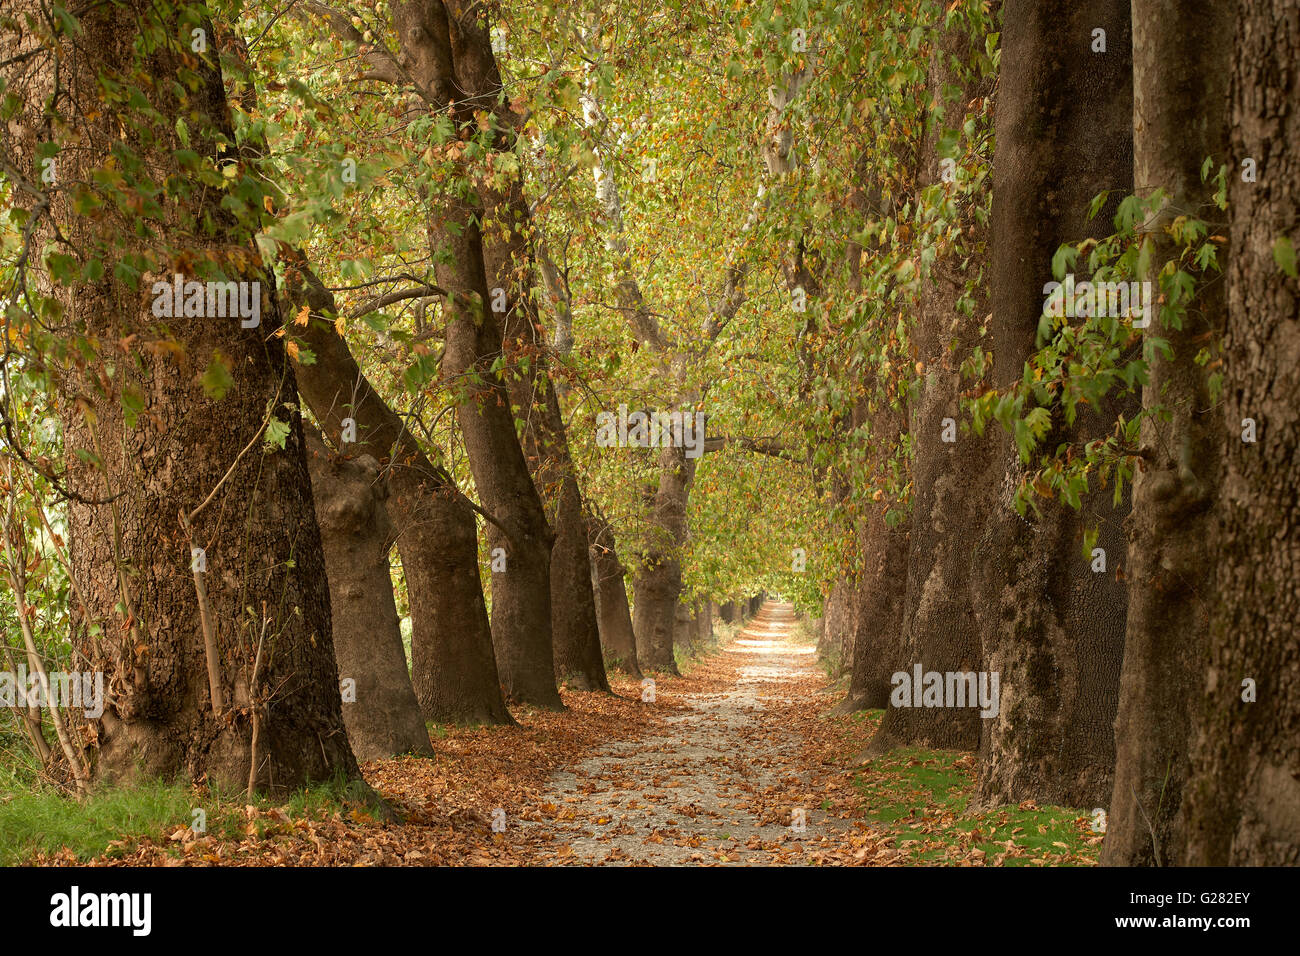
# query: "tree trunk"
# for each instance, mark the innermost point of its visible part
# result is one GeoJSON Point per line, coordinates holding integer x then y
{"type": "Point", "coordinates": [441, 55]}
{"type": "Point", "coordinates": [876, 612]}
{"type": "Point", "coordinates": [616, 635]}
{"type": "Point", "coordinates": [575, 631]}
{"type": "Point", "coordinates": [193, 471]}
{"type": "Point", "coordinates": [579, 662]}
{"type": "Point", "coordinates": [937, 627]}
{"type": "Point", "coordinates": [658, 583]}
{"type": "Point", "coordinates": [833, 644]}
{"type": "Point", "coordinates": [704, 623]}
{"type": "Point", "coordinates": [836, 641]}
{"type": "Point", "coordinates": [1050, 627]}
{"type": "Point", "coordinates": [508, 261]}
{"type": "Point", "coordinates": [684, 628]}
{"type": "Point", "coordinates": [1244, 795]}
{"type": "Point", "coordinates": [379, 708]}
{"type": "Point", "coordinates": [453, 669]}
{"type": "Point", "coordinates": [521, 594]}
{"type": "Point", "coordinates": [1180, 86]}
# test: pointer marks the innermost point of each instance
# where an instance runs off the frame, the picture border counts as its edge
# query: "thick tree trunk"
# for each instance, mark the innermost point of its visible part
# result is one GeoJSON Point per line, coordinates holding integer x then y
{"type": "Point", "coordinates": [507, 236]}
{"type": "Point", "coordinates": [877, 600]}
{"type": "Point", "coordinates": [521, 594]}
{"type": "Point", "coordinates": [704, 623]}
{"type": "Point", "coordinates": [617, 638]}
{"type": "Point", "coordinates": [1244, 795]}
{"type": "Point", "coordinates": [192, 472]}
{"type": "Point", "coordinates": [579, 662]}
{"type": "Point", "coordinates": [835, 642]}
{"type": "Point", "coordinates": [950, 478]}
{"type": "Point", "coordinates": [658, 582]}
{"type": "Point", "coordinates": [453, 668]}
{"type": "Point", "coordinates": [379, 707]}
{"type": "Point", "coordinates": [575, 630]}
{"type": "Point", "coordinates": [441, 55]}
{"type": "Point", "coordinates": [1051, 627]}
{"type": "Point", "coordinates": [684, 628]}
{"type": "Point", "coordinates": [1180, 116]}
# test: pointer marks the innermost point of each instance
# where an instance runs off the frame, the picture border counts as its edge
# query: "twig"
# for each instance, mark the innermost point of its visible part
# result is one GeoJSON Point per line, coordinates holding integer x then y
{"type": "Point", "coordinates": [14, 571]}
{"type": "Point", "coordinates": [257, 707]}
{"type": "Point", "coordinates": [209, 632]}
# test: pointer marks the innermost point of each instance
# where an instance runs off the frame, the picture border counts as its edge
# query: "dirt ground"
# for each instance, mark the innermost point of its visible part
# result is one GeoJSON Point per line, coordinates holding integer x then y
{"type": "Point", "coordinates": [702, 786]}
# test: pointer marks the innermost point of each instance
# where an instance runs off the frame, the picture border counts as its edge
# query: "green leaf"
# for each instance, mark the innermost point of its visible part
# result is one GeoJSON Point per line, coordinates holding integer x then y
{"type": "Point", "coordinates": [132, 405]}
{"type": "Point", "coordinates": [276, 432]}
{"type": "Point", "coordinates": [63, 268]}
{"type": "Point", "coordinates": [1063, 261]}
{"type": "Point", "coordinates": [217, 380]}
{"type": "Point", "coordinates": [1284, 255]}
{"type": "Point", "coordinates": [1039, 421]}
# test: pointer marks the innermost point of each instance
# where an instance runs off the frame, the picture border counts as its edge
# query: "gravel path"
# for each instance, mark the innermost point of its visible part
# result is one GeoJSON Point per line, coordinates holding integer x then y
{"type": "Point", "coordinates": [712, 785]}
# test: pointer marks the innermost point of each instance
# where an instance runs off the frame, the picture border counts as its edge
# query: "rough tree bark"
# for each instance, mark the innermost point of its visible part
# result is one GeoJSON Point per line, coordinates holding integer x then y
{"type": "Point", "coordinates": [949, 478]}
{"type": "Point", "coordinates": [658, 582]}
{"type": "Point", "coordinates": [684, 627]}
{"type": "Point", "coordinates": [875, 602]}
{"type": "Point", "coordinates": [835, 644]}
{"type": "Point", "coordinates": [508, 233]}
{"type": "Point", "coordinates": [453, 669]}
{"type": "Point", "coordinates": [876, 614]}
{"type": "Point", "coordinates": [1244, 796]}
{"type": "Point", "coordinates": [1050, 627]}
{"type": "Point", "coordinates": [1180, 116]}
{"type": "Point", "coordinates": [617, 638]}
{"type": "Point", "coordinates": [189, 459]}
{"type": "Point", "coordinates": [704, 623]}
{"type": "Point", "coordinates": [521, 595]}
{"type": "Point", "coordinates": [384, 718]}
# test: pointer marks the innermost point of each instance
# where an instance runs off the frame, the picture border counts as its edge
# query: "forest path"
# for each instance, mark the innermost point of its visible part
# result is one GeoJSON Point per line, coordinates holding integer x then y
{"type": "Point", "coordinates": [719, 769]}
{"type": "Point", "coordinates": [720, 780]}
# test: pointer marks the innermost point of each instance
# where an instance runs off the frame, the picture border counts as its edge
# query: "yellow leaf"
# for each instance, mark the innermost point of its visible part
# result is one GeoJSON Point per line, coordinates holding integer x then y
{"type": "Point", "coordinates": [87, 412]}
{"type": "Point", "coordinates": [303, 315]}
{"type": "Point", "coordinates": [292, 346]}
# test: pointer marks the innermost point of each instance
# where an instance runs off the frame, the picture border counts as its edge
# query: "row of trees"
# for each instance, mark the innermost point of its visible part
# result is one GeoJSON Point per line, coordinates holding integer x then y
{"type": "Point", "coordinates": [827, 228]}
{"type": "Point", "coordinates": [222, 607]}
{"type": "Point", "coordinates": [1117, 551]}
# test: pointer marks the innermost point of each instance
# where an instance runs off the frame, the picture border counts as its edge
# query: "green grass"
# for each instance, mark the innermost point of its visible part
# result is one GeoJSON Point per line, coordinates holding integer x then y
{"type": "Point", "coordinates": [44, 820]}
{"type": "Point", "coordinates": [920, 796]}
{"type": "Point", "coordinates": [36, 818]}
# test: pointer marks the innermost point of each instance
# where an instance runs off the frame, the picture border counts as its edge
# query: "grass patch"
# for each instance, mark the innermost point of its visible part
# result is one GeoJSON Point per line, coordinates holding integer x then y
{"type": "Point", "coordinates": [43, 820]}
{"type": "Point", "coordinates": [46, 821]}
{"type": "Point", "coordinates": [920, 796]}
